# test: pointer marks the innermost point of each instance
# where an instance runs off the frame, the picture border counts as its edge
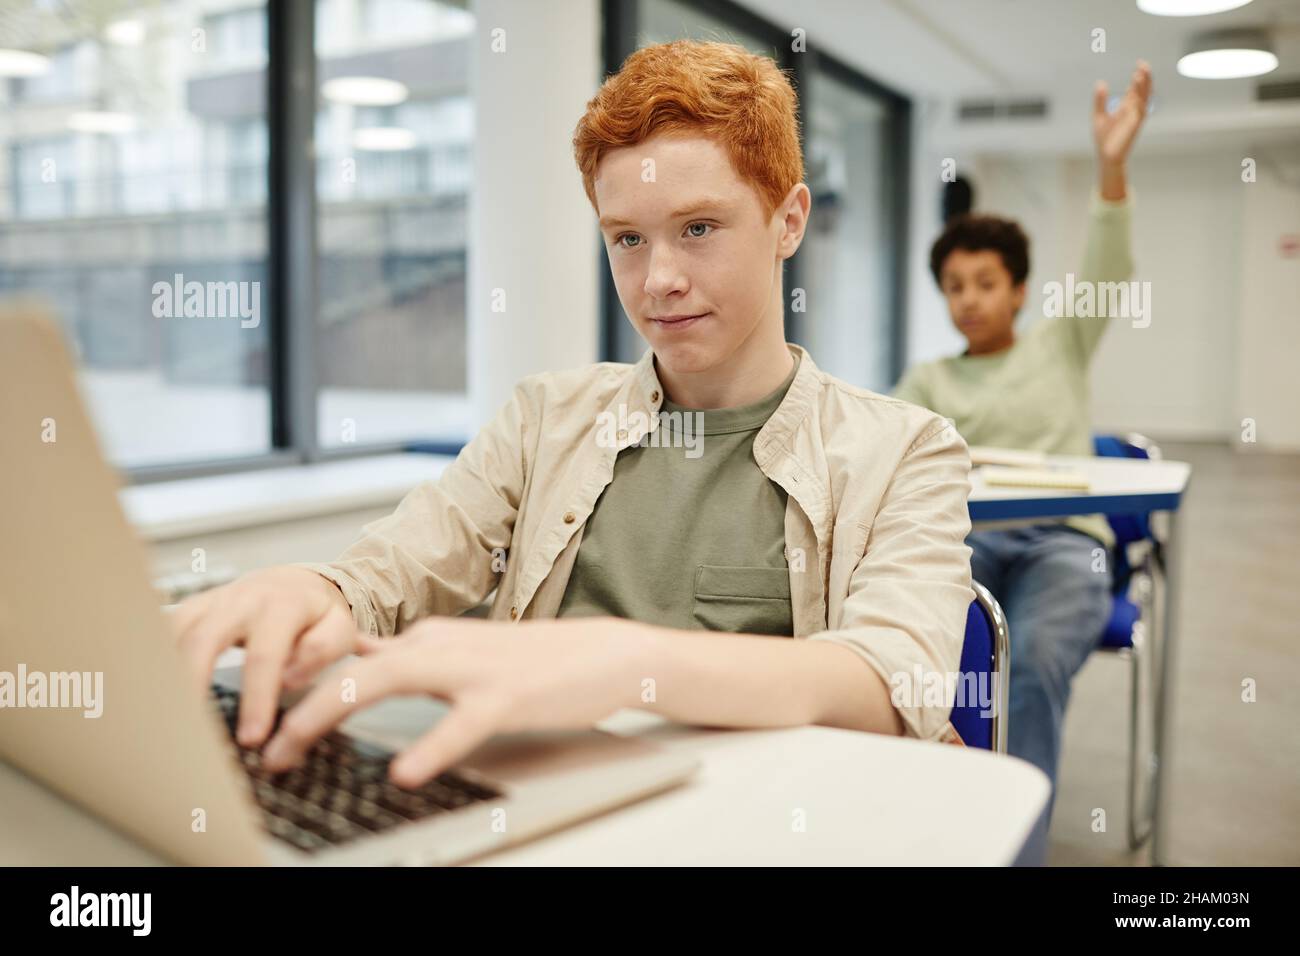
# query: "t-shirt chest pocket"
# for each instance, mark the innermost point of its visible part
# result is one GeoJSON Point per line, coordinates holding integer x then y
{"type": "Point", "coordinates": [743, 600]}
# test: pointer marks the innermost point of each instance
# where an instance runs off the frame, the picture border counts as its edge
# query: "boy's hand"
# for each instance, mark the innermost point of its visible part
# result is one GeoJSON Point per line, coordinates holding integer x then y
{"type": "Point", "coordinates": [1114, 133]}
{"type": "Point", "coordinates": [499, 678]}
{"type": "Point", "coordinates": [292, 623]}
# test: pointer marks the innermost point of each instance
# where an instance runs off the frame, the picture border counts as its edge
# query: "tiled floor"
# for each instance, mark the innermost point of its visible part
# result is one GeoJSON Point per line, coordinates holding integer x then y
{"type": "Point", "coordinates": [1234, 786]}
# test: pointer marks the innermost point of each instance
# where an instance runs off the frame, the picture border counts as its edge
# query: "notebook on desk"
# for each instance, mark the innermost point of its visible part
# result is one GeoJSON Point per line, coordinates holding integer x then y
{"type": "Point", "coordinates": [1062, 478]}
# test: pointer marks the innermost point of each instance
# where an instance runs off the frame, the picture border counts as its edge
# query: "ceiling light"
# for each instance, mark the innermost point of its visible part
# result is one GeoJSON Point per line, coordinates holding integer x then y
{"type": "Point", "coordinates": [364, 91]}
{"type": "Point", "coordinates": [22, 63]}
{"type": "Point", "coordinates": [1188, 8]}
{"type": "Point", "coordinates": [101, 121]}
{"type": "Point", "coordinates": [125, 32]}
{"type": "Point", "coordinates": [1227, 55]}
{"type": "Point", "coordinates": [383, 138]}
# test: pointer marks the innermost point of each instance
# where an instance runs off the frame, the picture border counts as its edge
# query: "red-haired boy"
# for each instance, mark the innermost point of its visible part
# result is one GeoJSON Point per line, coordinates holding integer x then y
{"type": "Point", "coordinates": [720, 533]}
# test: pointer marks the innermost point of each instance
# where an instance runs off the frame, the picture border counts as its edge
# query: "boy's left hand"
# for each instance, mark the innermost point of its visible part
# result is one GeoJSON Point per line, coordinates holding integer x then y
{"type": "Point", "coordinates": [499, 678]}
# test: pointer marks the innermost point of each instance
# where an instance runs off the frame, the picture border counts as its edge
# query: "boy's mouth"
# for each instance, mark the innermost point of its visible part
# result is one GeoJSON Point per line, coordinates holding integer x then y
{"type": "Point", "coordinates": [677, 322]}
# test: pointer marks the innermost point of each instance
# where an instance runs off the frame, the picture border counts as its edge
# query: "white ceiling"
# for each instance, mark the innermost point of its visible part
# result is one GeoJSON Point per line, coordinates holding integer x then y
{"type": "Point", "coordinates": [942, 51]}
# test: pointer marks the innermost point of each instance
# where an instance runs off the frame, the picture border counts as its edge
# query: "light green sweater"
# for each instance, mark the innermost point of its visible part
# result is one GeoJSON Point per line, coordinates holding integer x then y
{"type": "Point", "coordinates": [1034, 395]}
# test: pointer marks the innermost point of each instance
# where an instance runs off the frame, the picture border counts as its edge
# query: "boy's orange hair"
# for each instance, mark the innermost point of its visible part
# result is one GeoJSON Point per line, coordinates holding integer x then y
{"type": "Point", "coordinates": [743, 101]}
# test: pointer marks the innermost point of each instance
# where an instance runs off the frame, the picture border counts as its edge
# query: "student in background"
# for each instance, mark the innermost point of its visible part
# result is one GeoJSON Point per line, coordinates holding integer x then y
{"type": "Point", "coordinates": [1031, 392]}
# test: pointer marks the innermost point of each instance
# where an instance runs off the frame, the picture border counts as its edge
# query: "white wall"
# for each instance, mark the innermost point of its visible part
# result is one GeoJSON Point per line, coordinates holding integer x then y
{"type": "Point", "coordinates": [1174, 378]}
{"type": "Point", "coordinates": [532, 232]}
{"type": "Point", "coordinates": [1268, 347]}
{"type": "Point", "coordinates": [930, 334]}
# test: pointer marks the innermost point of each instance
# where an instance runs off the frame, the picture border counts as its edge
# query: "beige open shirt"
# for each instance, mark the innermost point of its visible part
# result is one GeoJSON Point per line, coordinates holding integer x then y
{"type": "Point", "coordinates": [875, 523]}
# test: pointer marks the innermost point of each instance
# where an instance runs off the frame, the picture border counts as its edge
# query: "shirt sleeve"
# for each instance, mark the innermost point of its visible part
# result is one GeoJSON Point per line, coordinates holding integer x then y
{"type": "Point", "coordinates": [911, 387]}
{"type": "Point", "coordinates": [439, 552]}
{"type": "Point", "coordinates": [1107, 259]}
{"type": "Point", "coordinates": [909, 595]}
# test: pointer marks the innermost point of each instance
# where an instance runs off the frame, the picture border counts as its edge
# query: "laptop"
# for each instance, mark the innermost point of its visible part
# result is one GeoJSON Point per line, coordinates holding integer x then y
{"type": "Point", "coordinates": [96, 704]}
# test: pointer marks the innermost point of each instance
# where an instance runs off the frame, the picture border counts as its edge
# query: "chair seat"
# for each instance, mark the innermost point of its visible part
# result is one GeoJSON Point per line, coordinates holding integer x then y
{"type": "Point", "coordinates": [1119, 629]}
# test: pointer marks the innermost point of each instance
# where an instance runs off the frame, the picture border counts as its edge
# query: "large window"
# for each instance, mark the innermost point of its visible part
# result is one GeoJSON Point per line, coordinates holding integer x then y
{"type": "Point", "coordinates": [119, 173]}
{"type": "Point", "coordinates": [855, 157]}
{"type": "Point", "coordinates": [394, 130]}
{"type": "Point", "coordinates": [226, 306]}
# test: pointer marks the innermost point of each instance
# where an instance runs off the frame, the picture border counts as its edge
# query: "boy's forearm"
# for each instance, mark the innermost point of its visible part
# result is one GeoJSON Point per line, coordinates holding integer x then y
{"type": "Point", "coordinates": [1112, 181]}
{"type": "Point", "coordinates": [745, 680]}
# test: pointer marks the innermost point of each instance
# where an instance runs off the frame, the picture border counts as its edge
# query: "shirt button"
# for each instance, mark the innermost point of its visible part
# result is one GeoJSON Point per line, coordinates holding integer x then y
{"type": "Point", "coordinates": [622, 433]}
{"type": "Point", "coordinates": [654, 396]}
{"type": "Point", "coordinates": [514, 612]}
{"type": "Point", "coordinates": [570, 517]}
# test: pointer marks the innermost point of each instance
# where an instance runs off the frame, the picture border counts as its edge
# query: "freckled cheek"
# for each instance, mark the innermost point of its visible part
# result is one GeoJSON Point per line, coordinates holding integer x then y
{"type": "Point", "coordinates": [629, 280]}
{"type": "Point", "coordinates": [730, 274]}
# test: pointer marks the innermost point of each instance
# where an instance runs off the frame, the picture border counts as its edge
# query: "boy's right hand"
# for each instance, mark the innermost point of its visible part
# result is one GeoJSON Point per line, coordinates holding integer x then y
{"type": "Point", "coordinates": [291, 622]}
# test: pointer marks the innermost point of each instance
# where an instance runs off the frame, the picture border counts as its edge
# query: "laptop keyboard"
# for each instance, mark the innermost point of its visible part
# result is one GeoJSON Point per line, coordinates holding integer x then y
{"type": "Point", "coordinates": [341, 790]}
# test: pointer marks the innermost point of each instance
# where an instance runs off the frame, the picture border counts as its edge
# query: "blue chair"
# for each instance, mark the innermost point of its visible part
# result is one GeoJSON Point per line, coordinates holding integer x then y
{"type": "Point", "coordinates": [1137, 565]}
{"type": "Point", "coordinates": [985, 663]}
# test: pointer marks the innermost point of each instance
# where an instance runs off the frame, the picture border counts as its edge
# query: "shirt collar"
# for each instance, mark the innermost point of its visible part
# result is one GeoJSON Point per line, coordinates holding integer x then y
{"type": "Point", "coordinates": [644, 392]}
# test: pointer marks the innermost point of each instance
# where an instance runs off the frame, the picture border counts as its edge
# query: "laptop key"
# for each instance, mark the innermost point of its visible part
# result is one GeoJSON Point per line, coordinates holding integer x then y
{"type": "Point", "coordinates": [341, 790]}
{"type": "Point", "coordinates": [295, 835]}
{"type": "Point", "coordinates": [372, 816]}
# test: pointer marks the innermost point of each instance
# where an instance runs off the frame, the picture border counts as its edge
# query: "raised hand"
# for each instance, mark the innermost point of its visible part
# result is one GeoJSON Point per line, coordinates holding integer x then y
{"type": "Point", "coordinates": [1114, 133]}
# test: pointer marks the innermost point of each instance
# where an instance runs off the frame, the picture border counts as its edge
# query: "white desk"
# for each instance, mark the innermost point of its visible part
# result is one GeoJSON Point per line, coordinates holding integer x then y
{"type": "Point", "coordinates": [1116, 486]}
{"type": "Point", "coordinates": [863, 799]}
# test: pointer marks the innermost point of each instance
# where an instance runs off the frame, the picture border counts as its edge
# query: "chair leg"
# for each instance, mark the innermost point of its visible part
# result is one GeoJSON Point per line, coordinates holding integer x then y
{"type": "Point", "coordinates": [1140, 771]}
{"type": "Point", "coordinates": [1142, 762]}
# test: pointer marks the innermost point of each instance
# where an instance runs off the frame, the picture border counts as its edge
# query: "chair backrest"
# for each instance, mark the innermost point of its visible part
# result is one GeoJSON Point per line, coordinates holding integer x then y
{"type": "Point", "coordinates": [1127, 528]}
{"type": "Point", "coordinates": [980, 714]}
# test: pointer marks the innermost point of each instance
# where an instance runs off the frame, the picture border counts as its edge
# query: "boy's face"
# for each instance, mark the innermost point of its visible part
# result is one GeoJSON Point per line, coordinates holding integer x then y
{"type": "Point", "coordinates": [982, 299]}
{"type": "Point", "coordinates": [695, 260]}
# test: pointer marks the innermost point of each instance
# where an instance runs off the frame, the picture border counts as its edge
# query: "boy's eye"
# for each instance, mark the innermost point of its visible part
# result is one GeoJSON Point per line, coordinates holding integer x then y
{"type": "Point", "coordinates": [696, 230]}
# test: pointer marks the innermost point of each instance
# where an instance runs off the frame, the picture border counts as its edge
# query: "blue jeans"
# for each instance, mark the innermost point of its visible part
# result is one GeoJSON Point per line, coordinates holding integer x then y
{"type": "Point", "coordinates": [1054, 586]}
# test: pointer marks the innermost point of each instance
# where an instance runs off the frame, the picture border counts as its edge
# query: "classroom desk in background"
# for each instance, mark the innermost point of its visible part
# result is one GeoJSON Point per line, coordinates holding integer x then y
{"type": "Point", "coordinates": [1116, 486]}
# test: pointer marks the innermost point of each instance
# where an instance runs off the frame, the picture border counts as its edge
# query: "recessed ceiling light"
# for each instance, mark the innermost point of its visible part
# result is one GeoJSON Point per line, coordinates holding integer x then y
{"type": "Point", "coordinates": [1228, 55]}
{"type": "Point", "coordinates": [22, 63]}
{"type": "Point", "coordinates": [383, 138]}
{"type": "Point", "coordinates": [101, 121]}
{"type": "Point", "coordinates": [1227, 64]}
{"type": "Point", "coordinates": [125, 32]}
{"type": "Point", "coordinates": [364, 91]}
{"type": "Point", "coordinates": [1188, 8]}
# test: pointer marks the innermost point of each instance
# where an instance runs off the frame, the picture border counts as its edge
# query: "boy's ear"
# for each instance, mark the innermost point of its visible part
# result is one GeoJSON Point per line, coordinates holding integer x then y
{"type": "Point", "coordinates": [793, 214]}
{"type": "Point", "coordinates": [1018, 297]}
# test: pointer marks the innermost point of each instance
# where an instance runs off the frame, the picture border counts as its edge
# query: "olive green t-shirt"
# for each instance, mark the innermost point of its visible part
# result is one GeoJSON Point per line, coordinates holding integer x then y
{"type": "Point", "coordinates": [689, 533]}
